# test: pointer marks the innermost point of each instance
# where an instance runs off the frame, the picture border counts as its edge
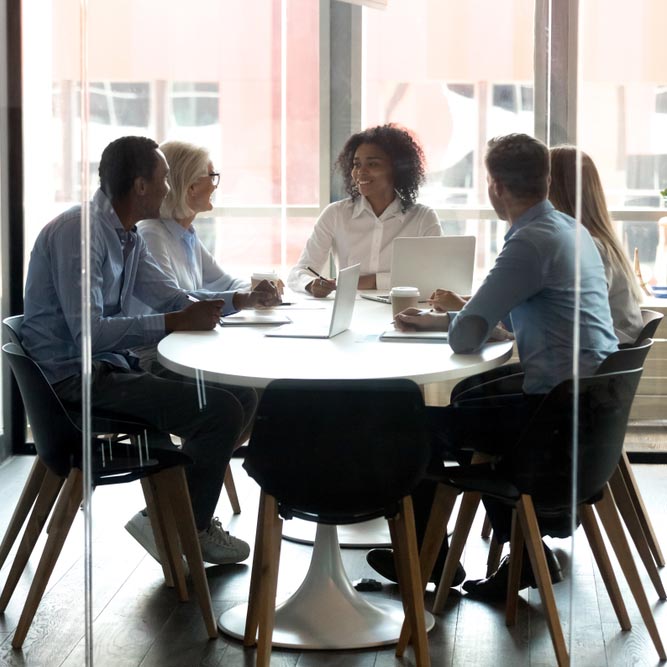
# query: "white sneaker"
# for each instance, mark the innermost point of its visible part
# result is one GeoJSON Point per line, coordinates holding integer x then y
{"type": "Point", "coordinates": [139, 526]}
{"type": "Point", "coordinates": [221, 548]}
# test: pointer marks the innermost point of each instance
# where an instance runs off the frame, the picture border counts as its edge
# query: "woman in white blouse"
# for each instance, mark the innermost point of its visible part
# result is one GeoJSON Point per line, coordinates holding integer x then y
{"type": "Point", "coordinates": [173, 241]}
{"type": "Point", "coordinates": [382, 168]}
{"type": "Point", "coordinates": [624, 292]}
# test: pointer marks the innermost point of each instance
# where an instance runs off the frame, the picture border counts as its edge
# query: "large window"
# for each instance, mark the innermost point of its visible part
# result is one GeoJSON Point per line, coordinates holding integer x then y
{"type": "Point", "coordinates": [623, 117]}
{"type": "Point", "coordinates": [253, 102]}
{"type": "Point", "coordinates": [424, 69]}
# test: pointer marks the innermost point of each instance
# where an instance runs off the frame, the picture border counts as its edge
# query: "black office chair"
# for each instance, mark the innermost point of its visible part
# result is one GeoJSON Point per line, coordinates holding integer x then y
{"type": "Point", "coordinates": [652, 320]}
{"type": "Point", "coordinates": [624, 487]}
{"type": "Point", "coordinates": [624, 484]}
{"type": "Point", "coordinates": [336, 452]}
{"type": "Point", "coordinates": [58, 442]}
{"type": "Point", "coordinates": [534, 479]}
{"type": "Point", "coordinates": [42, 485]}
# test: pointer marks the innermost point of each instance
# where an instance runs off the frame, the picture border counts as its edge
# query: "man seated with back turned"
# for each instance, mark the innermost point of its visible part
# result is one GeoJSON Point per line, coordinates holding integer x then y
{"type": "Point", "coordinates": [133, 183]}
{"type": "Point", "coordinates": [531, 290]}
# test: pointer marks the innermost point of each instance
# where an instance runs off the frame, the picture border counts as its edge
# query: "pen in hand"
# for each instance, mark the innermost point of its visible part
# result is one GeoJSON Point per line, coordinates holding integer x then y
{"type": "Point", "coordinates": [315, 273]}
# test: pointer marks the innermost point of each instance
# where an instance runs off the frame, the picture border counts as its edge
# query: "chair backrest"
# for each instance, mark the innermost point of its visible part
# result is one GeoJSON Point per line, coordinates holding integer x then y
{"type": "Point", "coordinates": [626, 358]}
{"type": "Point", "coordinates": [652, 320]}
{"type": "Point", "coordinates": [12, 326]}
{"type": "Point", "coordinates": [339, 451]}
{"type": "Point", "coordinates": [57, 438]}
{"type": "Point", "coordinates": [541, 463]}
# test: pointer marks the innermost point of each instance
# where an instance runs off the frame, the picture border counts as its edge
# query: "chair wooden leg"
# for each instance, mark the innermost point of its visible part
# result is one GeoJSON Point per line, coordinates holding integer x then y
{"type": "Point", "coordinates": [26, 500]}
{"type": "Point", "coordinates": [531, 532]}
{"type": "Point", "coordinates": [230, 487]}
{"type": "Point", "coordinates": [268, 582]}
{"type": "Point", "coordinates": [467, 511]}
{"type": "Point", "coordinates": [64, 513]}
{"type": "Point", "coordinates": [165, 534]}
{"type": "Point", "coordinates": [181, 506]}
{"type": "Point", "coordinates": [599, 550]}
{"type": "Point", "coordinates": [638, 502]}
{"type": "Point", "coordinates": [486, 528]}
{"type": "Point", "coordinates": [495, 553]}
{"type": "Point", "coordinates": [434, 535]}
{"type": "Point", "coordinates": [48, 494]}
{"type": "Point", "coordinates": [628, 512]}
{"type": "Point", "coordinates": [514, 574]}
{"type": "Point", "coordinates": [258, 560]}
{"type": "Point", "coordinates": [612, 525]}
{"type": "Point", "coordinates": [404, 542]}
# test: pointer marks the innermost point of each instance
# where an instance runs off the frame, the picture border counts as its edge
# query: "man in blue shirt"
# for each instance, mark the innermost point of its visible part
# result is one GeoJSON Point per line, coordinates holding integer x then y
{"type": "Point", "coordinates": [133, 183]}
{"type": "Point", "coordinates": [530, 289]}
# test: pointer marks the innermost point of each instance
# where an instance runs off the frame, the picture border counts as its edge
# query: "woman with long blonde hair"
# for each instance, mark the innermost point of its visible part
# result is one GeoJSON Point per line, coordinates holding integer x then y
{"type": "Point", "coordinates": [624, 291]}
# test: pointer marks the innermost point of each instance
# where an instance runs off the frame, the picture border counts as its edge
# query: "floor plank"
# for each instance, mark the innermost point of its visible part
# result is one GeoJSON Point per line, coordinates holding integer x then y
{"type": "Point", "coordinates": [138, 621]}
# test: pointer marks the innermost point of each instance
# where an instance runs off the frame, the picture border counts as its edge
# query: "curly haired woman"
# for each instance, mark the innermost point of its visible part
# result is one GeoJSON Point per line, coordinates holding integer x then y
{"type": "Point", "coordinates": [382, 168]}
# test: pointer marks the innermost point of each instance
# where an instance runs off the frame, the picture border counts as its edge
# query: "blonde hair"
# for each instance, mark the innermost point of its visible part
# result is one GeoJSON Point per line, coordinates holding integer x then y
{"type": "Point", "coordinates": [594, 213]}
{"type": "Point", "coordinates": [186, 163]}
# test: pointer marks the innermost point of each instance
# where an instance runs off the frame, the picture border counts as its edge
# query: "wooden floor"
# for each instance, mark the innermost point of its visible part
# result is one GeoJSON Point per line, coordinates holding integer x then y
{"type": "Point", "coordinates": [139, 622]}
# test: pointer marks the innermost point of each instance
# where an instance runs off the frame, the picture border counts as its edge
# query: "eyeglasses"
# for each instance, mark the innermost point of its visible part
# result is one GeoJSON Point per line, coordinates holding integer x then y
{"type": "Point", "coordinates": [215, 177]}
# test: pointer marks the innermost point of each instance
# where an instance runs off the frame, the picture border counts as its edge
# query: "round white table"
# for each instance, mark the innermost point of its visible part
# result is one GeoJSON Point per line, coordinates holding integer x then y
{"type": "Point", "coordinates": [326, 612]}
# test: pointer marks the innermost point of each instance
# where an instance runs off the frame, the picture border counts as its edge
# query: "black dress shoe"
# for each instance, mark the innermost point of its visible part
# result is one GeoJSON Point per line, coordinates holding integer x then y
{"type": "Point", "coordinates": [382, 561]}
{"type": "Point", "coordinates": [495, 586]}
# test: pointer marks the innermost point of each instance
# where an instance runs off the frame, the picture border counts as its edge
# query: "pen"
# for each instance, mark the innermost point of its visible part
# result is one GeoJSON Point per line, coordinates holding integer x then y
{"type": "Point", "coordinates": [315, 273]}
{"type": "Point", "coordinates": [192, 298]}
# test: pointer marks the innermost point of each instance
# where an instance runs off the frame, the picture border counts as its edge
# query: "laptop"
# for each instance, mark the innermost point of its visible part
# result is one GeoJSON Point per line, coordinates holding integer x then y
{"type": "Point", "coordinates": [432, 262]}
{"type": "Point", "coordinates": [341, 314]}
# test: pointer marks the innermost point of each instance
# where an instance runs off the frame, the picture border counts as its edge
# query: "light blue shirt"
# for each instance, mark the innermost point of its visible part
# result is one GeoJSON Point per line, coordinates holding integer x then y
{"type": "Point", "coordinates": [120, 268]}
{"type": "Point", "coordinates": [533, 283]}
{"type": "Point", "coordinates": [182, 256]}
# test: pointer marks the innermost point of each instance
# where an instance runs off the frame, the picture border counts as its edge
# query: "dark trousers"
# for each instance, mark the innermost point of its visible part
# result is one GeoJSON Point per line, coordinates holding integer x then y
{"type": "Point", "coordinates": [490, 424]}
{"type": "Point", "coordinates": [209, 419]}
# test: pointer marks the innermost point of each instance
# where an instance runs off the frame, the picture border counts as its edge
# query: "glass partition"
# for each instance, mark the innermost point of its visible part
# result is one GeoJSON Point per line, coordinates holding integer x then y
{"type": "Point", "coordinates": [255, 84]}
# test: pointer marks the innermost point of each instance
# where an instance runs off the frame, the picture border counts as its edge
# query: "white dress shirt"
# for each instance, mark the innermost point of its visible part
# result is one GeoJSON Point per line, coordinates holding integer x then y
{"type": "Point", "coordinates": [351, 230]}
{"type": "Point", "coordinates": [183, 257]}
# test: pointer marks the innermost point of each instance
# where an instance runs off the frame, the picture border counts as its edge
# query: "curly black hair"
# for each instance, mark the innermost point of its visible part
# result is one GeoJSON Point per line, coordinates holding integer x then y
{"type": "Point", "coordinates": [407, 160]}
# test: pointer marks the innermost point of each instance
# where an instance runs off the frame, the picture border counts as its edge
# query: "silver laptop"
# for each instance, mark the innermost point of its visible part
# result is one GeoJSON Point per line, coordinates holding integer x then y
{"type": "Point", "coordinates": [432, 262]}
{"type": "Point", "coordinates": [341, 315]}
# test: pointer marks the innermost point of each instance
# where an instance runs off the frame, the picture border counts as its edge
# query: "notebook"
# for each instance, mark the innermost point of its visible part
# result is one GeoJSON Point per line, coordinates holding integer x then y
{"type": "Point", "coordinates": [247, 317]}
{"type": "Point", "coordinates": [431, 262]}
{"type": "Point", "coordinates": [395, 334]}
{"type": "Point", "coordinates": [341, 314]}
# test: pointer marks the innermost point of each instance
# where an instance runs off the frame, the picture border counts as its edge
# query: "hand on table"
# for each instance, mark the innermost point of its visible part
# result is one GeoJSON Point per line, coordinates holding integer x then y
{"type": "Point", "coordinates": [199, 316]}
{"type": "Point", "coordinates": [499, 333]}
{"type": "Point", "coordinates": [321, 287]}
{"type": "Point", "coordinates": [265, 295]}
{"type": "Point", "coordinates": [413, 319]}
{"type": "Point", "coordinates": [444, 300]}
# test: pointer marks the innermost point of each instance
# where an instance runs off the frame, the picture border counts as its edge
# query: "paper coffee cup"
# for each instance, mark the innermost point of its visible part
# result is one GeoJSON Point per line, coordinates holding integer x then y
{"type": "Point", "coordinates": [272, 276]}
{"type": "Point", "coordinates": [402, 298]}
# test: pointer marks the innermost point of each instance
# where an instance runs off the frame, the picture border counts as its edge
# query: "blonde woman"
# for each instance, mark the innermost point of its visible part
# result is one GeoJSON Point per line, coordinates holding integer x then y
{"type": "Point", "coordinates": [624, 291]}
{"type": "Point", "coordinates": [173, 241]}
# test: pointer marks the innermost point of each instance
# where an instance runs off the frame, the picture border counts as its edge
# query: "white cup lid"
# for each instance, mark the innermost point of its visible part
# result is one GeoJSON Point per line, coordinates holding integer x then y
{"type": "Point", "coordinates": [404, 291]}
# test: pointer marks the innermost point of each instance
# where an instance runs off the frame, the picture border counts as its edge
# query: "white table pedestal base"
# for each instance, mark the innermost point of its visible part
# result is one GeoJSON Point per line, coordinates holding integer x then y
{"type": "Point", "coordinates": [326, 612]}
